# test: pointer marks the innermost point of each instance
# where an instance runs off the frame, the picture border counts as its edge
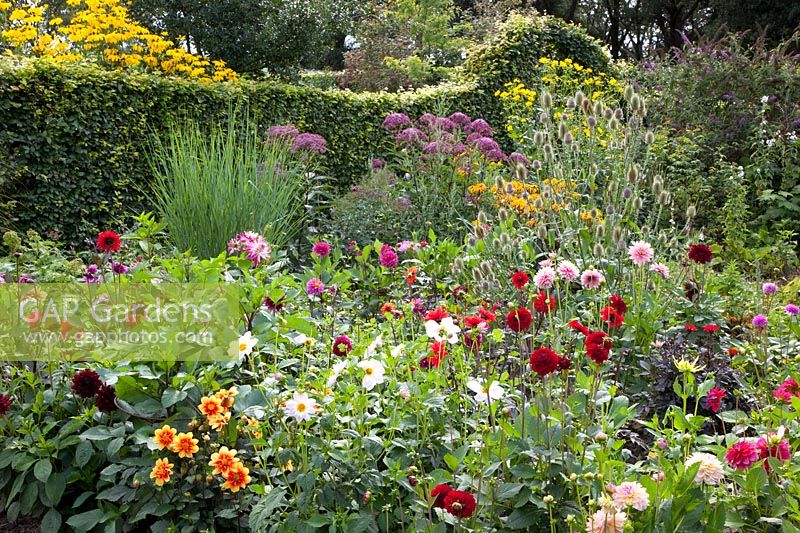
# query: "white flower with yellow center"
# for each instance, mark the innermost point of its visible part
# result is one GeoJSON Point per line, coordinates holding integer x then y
{"type": "Point", "coordinates": [445, 329]}
{"type": "Point", "coordinates": [336, 371]}
{"type": "Point", "coordinates": [244, 346]}
{"type": "Point", "coordinates": [301, 407]}
{"type": "Point", "coordinates": [373, 373]}
{"type": "Point", "coordinates": [493, 391]}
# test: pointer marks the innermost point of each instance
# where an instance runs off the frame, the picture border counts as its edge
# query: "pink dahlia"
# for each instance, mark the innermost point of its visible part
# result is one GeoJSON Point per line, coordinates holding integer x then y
{"type": "Point", "coordinates": [321, 249]}
{"type": "Point", "coordinates": [544, 278]}
{"type": "Point", "coordinates": [641, 252]}
{"type": "Point", "coordinates": [743, 454]}
{"type": "Point", "coordinates": [592, 278]}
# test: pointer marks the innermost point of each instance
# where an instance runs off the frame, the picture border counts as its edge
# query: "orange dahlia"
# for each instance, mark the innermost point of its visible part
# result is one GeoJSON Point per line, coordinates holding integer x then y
{"type": "Point", "coordinates": [223, 460]}
{"type": "Point", "coordinates": [161, 471]}
{"type": "Point", "coordinates": [211, 406]}
{"type": "Point", "coordinates": [238, 477]}
{"type": "Point", "coordinates": [164, 437]}
{"type": "Point", "coordinates": [185, 445]}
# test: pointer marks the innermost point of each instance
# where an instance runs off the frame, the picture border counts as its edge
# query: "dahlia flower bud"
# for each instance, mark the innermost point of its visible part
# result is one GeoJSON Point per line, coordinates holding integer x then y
{"type": "Point", "coordinates": [412, 480]}
{"type": "Point", "coordinates": [548, 499]}
{"type": "Point", "coordinates": [662, 443]}
{"type": "Point", "coordinates": [366, 497]}
{"type": "Point", "coordinates": [573, 476]}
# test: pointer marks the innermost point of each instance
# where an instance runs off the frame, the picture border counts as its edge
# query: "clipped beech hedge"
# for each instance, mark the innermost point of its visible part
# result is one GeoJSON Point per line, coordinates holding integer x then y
{"type": "Point", "coordinates": [74, 139]}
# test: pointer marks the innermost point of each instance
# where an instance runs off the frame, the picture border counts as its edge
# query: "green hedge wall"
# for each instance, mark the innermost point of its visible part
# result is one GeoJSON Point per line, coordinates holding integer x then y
{"type": "Point", "coordinates": [74, 138]}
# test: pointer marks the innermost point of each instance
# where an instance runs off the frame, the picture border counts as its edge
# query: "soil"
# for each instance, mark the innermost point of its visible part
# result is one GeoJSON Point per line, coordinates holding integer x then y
{"type": "Point", "coordinates": [24, 524]}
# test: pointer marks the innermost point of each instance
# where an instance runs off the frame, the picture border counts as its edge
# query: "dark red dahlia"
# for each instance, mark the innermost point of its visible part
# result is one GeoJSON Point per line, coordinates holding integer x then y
{"type": "Point", "coordinates": [544, 361]}
{"type": "Point", "coordinates": [577, 326]}
{"type": "Point", "coordinates": [700, 253]}
{"type": "Point", "coordinates": [598, 345]}
{"type": "Point", "coordinates": [564, 364]}
{"type": "Point", "coordinates": [86, 383]}
{"type": "Point", "coordinates": [519, 279]}
{"type": "Point", "coordinates": [5, 404]}
{"type": "Point", "coordinates": [342, 345]}
{"type": "Point", "coordinates": [439, 492]}
{"type": "Point", "coordinates": [105, 399]}
{"type": "Point", "coordinates": [459, 503]}
{"type": "Point", "coordinates": [487, 315]}
{"type": "Point", "coordinates": [714, 399]}
{"type": "Point", "coordinates": [690, 327]}
{"type": "Point", "coordinates": [108, 241]}
{"type": "Point", "coordinates": [519, 319]}
{"type": "Point", "coordinates": [273, 305]}
{"type": "Point", "coordinates": [619, 304]}
{"type": "Point", "coordinates": [612, 317]}
{"type": "Point", "coordinates": [711, 328]}
{"type": "Point", "coordinates": [544, 303]}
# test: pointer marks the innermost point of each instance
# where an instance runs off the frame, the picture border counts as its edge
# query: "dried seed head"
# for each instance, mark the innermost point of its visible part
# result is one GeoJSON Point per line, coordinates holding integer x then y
{"type": "Point", "coordinates": [547, 100]}
{"type": "Point", "coordinates": [562, 129]}
{"type": "Point", "coordinates": [538, 138]}
{"type": "Point", "coordinates": [637, 204]}
{"type": "Point", "coordinates": [629, 93]}
{"type": "Point", "coordinates": [599, 250]}
{"type": "Point", "coordinates": [691, 211]}
{"type": "Point", "coordinates": [541, 233]}
{"type": "Point", "coordinates": [503, 214]}
{"type": "Point", "coordinates": [649, 137]}
{"type": "Point", "coordinates": [633, 174]}
{"type": "Point", "coordinates": [571, 103]}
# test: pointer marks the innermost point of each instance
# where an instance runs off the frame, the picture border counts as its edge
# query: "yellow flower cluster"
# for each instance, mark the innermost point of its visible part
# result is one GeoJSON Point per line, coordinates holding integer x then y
{"type": "Point", "coordinates": [527, 200]}
{"type": "Point", "coordinates": [516, 91]}
{"type": "Point", "coordinates": [566, 76]}
{"type": "Point", "coordinates": [101, 30]}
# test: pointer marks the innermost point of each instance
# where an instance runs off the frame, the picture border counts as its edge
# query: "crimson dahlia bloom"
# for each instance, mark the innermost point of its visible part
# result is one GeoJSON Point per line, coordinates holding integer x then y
{"type": "Point", "coordinates": [108, 241]}
{"type": "Point", "coordinates": [439, 492]}
{"type": "Point", "coordinates": [700, 253]}
{"type": "Point", "coordinates": [342, 345]}
{"type": "Point", "coordinates": [781, 451]}
{"type": "Point", "coordinates": [459, 503]}
{"type": "Point", "coordinates": [519, 279]}
{"type": "Point", "coordinates": [787, 390]}
{"type": "Point", "coordinates": [105, 399]}
{"type": "Point", "coordinates": [612, 317]}
{"type": "Point", "coordinates": [544, 361]}
{"type": "Point", "coordinates": [619, 304]}
{"type": "Point", "coordinates": [86, 383]}
{"type": "Point", "coordinates": [5, 404]}
{"type": "Point", "coordinates": [544, 303]}
{"type": "Point", "coordinates": [437, 314]}
{"type": "Point", "coordinates": [714, 399]}
{"type": "Point", "coordinates": [519, 319]}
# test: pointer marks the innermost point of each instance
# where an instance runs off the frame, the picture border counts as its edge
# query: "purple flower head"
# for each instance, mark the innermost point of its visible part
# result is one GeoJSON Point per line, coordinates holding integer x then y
{"type": "Point", "coordinates": [436, 147]}
{"type": "Point", "coordinates": [388, 257]}
{"type": "Point", "coordinates": [395, 121]}
{"type": "Point", "coordinates": [2, 277]}
{"type": "Point", "coordinates": [404, 246]}
{"type": "Point", "coordinates": [310, 143]}
{"type": "Point", "coordinates": [428, 120]}
{"type": "Point", "coordinates": [792, 310]}
{"type": "Point", "coordinates": [342, 345]}
{"type": "Point", "coordinates": [25, 278]}
{"type": "Point", "coordinates": [91, 269]}
{"type": "Point", "coordinates": [729, 97]}
{"type": "Point", "coordinates": [769, 288]}
{"type": "Point", "coordinates": [282, 132]}
{"type": "Point", "coordinates": [118, 268]}
{"type": "Point", "coordinates": [411, 136]}
{"type": "Point", "coordinates": [445, 124]}
{"type": "Point", "coordinates": [460, 119]}
{"type": "Point", "coordinates": [419, 307]}
{"type": "Point", "coordinates": [519, 158]}
{"type": "Point", "coordinates": [496, 156]}
{"type": "Point", "coordinates": [458, 148]}
{"type": "Point", "coordinates": [315, 287]}
{"type": "Point", "coordinates": [759, 322]}
{"type": "Point", "coordinates": [480, 126]}
{"type": "Point", "coordinates": [796, 123]}
{"type": "Point", "coordinates": [321, 249]}
{"type": "Point", "coordinates": [486, 145]}
{"type": "Point", "coordinates": [378, 163]}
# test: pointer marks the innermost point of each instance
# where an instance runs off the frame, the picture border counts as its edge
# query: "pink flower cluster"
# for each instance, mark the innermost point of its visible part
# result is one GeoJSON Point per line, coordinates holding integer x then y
{"type": "Point", "coordinates": [252, 245]}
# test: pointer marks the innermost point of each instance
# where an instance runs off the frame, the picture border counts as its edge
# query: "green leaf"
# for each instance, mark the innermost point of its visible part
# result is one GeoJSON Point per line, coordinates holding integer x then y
{"type": "Point", "coordinates": [318, 520]}
{"type": "Point", "coordinates": [171, 397]}
{"type": "Point", "coordinates": [262, 511]}
{"type": "Point", "coordinates": [42, 470]}
{"type": "Point", "coordinates": [86, 521]}
{"type": "Point", "coordinates": [54, 488]}
{"type": "Point", "coordinates": [452, 462]}
{"type": "Point", "coordinates": [522, 518]}
{"type": "Point", "coordinates": [83, 452]}
{"type": "Point", "coordinates": [51, 521]}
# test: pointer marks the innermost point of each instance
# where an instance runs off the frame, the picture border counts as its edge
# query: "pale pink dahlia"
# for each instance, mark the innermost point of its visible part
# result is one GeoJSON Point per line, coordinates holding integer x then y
{"type": "Point", "coordinates": [544, 278]}
{"type": "Point", "coordinates": [592, 278]}
{"type": "Point", "coordinates": [641, 252]}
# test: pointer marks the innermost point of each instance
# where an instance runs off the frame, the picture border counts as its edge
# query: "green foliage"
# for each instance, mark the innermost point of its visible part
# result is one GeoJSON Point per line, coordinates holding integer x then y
{"type": "Point", "coordinates": [212, 185]}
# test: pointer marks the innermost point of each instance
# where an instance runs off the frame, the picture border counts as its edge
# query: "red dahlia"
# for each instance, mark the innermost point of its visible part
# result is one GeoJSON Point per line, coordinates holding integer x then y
{"type": "Point", "coordinates": [544, 303]}
{"type": "Point", "coordinates": [86, 383]}
{"type": "Point", "coordinates": [545, 361]}
{"type": "Point", "coordinates": [519, 319]}
{"type": "Point", "coordinates": [714, 399]}
{"type": "Point", "coordinates": [105, 399]}
{"type": "Point", "coordinates": [577, 326]}
{"type": "Point", "coordinates": [459, 503]}
{"type": "Point", "coordinates": [342, 345]}
{"type": "Point", "coordinates": [612, 317]}
{"type": "Point", "coordinates": [439, 492]}
{"type": "Point", "coordinates": [108, 241]}
{"type": "Point", "coordinates": [619, 304]}
{"type": "Point", "coordinates": [437, 314]}
{"type": "Point", "coordinates": [700, 253]}
{"type": "Point", "coordinates": [5, 404]}
{"type": "Point", "coordinates": [519, 279]}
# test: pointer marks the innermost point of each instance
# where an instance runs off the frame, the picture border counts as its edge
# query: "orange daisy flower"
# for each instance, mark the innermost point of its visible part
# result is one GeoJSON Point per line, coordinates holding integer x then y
{"type": "Point", "coordinates": [226, 396]}
{"type": "Point", "coordinates": [411, 274]}
{"type": "Point", "coordinates": [217, 422]}
{"type": "Point", "coordinates": [223, 460]}
{"type": "Point", "coordinates": [185, 445]}
{"type": "Point", "coordinates": [238, 477]}
{"type": "Point", "coordinates": [211, 406]}
{"type": "Point", "coordinates": [164, 437]}
{"type": "Point", "coordinates": [161, 471]}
